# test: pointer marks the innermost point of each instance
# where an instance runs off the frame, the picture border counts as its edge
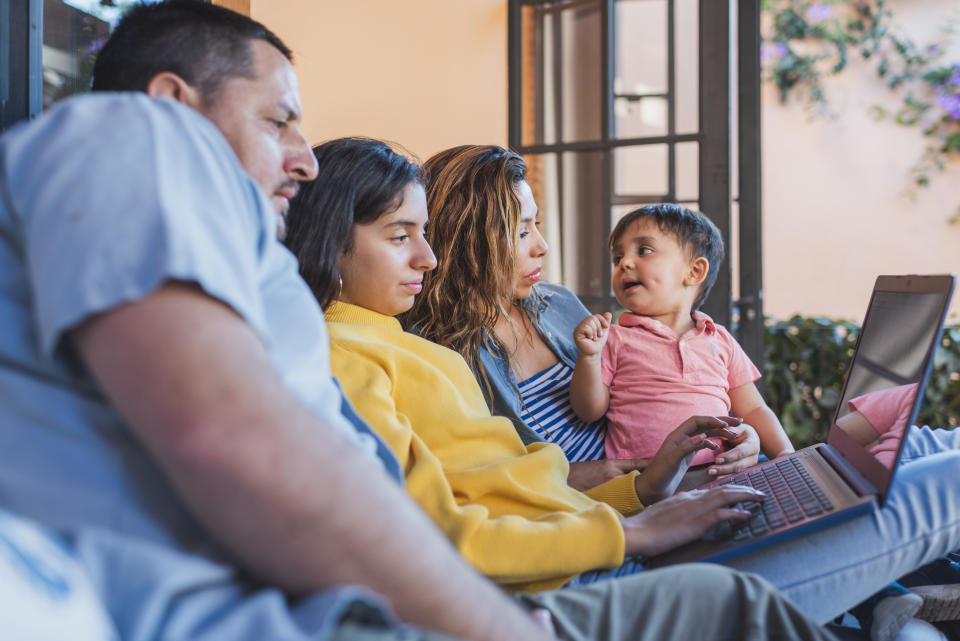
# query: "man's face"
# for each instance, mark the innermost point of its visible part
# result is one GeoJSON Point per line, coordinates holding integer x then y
{"type": "Point", "coordinates": [260, 118]}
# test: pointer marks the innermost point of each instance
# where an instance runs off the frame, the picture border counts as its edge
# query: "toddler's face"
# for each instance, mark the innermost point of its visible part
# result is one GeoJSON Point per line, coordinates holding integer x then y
{"type": "Point", "coordinates": [649, 268]}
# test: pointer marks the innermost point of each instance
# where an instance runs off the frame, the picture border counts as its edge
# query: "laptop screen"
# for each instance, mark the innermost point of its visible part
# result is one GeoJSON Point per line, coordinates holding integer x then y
{"type": "Point", "coordinates": [879, 399]}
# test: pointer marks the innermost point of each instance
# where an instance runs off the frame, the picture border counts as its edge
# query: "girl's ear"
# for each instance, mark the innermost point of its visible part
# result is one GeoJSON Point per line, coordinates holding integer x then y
{"type": "Point", "coordinates": [697, 272]}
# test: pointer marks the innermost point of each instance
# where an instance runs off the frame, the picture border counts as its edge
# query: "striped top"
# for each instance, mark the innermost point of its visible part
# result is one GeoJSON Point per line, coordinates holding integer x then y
{"type": "Point", "coordinates": [546, 410]}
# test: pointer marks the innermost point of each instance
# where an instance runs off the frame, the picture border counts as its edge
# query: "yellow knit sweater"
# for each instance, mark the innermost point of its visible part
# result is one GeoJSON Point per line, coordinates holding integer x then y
{"type": "Point", "coordinates": [507, 507]}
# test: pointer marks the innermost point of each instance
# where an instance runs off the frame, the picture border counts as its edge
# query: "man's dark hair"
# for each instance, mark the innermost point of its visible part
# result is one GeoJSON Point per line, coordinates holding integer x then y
{"type": "Point", "coordinates": [693, 230]}
{"type": "Point", "coordinates": [202, 43]}
{"type": "Point", "coordinates": [358, 181]}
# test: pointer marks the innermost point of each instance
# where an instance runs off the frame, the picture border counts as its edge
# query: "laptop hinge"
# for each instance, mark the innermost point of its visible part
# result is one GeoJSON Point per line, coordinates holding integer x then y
{"type": "Point", "coordinates": [847, 472]}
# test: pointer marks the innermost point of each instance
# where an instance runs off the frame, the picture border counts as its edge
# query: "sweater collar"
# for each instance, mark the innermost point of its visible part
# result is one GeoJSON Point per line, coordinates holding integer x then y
{"type": "Point", "coordinates": [338, 312]}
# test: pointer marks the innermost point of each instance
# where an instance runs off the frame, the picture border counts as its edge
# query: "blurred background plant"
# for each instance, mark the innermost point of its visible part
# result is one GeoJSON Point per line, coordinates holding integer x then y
{"type": "Point", "coordinates": [806, 359]}
{"type": "Point", "coordinates": [806, 41]}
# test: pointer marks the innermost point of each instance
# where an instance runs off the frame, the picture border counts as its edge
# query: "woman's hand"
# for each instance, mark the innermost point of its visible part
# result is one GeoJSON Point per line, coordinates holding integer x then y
{"type": "Point", "coordinates": [665, 471]}
{"type": "Point", "coordinates": [587, 475]}
{"type": "Point", "coordinates": [591, 334]}
{"type": "Point", "coordinates": [743, 455]}
{"type": "Point", "coordinates": [684, 518]}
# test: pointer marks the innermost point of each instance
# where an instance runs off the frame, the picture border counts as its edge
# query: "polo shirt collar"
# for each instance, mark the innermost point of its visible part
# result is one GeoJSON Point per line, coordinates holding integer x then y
{"type": "Point", "coordinates": [704, 324]}
{"type": "Point", "coordinates": [338, 312]}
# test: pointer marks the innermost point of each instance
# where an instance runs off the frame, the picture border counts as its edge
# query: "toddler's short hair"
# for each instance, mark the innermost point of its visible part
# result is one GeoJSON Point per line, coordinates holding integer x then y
{"type": "Point", "coordinates": [693, 230]}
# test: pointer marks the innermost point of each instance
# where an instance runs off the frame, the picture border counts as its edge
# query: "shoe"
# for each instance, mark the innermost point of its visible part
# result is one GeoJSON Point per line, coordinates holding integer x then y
{"type": "Point", "coordinates": [940, 602]}
{"type": "Point", "coordinates": [884, 614]}
{"type": "Point", "coordinates": [938, 583]}
{"type": "Point", "coordinates": [917, 630]}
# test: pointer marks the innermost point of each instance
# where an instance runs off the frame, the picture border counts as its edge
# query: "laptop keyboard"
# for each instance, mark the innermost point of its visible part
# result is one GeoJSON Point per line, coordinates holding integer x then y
{"type": "Point", "coordinates": [792, 495]}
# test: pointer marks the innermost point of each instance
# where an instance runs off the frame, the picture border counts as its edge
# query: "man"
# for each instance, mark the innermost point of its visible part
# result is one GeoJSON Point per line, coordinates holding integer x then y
{"type": "Point", "coordinates": [165, 392]}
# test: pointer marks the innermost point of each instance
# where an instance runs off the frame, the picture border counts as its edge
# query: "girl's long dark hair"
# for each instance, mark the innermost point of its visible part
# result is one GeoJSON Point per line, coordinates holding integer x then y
{"type": "Point", "coordinates": [358, 180]}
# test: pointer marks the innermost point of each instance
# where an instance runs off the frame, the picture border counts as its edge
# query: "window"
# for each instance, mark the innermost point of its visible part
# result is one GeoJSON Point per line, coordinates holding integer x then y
{"type": "Point", "coordinates": [39, 70]}
{"type": "Point", "coordinates": [620, 103]}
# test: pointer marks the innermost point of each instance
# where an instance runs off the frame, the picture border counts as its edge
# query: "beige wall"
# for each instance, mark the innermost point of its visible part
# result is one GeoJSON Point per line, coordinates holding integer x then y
{"type": "Point", "coordinates": [835, 214]}
{"type": "Point", "coordinates": [428, 74]}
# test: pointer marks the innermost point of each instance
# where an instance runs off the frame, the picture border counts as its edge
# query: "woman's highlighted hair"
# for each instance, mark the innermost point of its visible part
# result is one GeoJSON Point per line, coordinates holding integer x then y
{"type": "Point", "coordinates": [474, 226]}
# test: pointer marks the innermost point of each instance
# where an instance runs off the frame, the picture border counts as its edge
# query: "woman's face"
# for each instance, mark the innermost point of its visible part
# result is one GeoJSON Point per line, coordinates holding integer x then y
{"type": "Point", "coordinates": [384, 270]}
{"type": "Point", "coordinates": [532, 247]}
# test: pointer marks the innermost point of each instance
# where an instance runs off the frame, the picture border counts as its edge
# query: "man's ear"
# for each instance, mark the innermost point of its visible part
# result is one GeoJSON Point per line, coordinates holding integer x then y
{"type": "Point", "coordinates": [697, 271]}
{"type": "Point", "coordinates": [167, 84]}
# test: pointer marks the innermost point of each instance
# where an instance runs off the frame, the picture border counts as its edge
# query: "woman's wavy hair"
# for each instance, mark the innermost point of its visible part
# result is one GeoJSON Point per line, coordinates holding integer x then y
{"type": "Point", "coordinates": [473, 230]}
{"type": "Point", "coordinates": [358, 181]}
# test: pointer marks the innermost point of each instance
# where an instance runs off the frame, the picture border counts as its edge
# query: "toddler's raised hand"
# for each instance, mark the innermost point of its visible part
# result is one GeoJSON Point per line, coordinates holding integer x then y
{"type": "Point", "coordinates": [591, 334]}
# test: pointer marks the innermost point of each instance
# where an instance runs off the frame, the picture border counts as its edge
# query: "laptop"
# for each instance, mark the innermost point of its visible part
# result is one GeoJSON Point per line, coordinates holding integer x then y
{"type": "Point", "coordinates": [852, 472]}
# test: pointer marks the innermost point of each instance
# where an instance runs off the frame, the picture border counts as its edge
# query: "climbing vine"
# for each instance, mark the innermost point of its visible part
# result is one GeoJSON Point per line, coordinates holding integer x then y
{"type": "Point", "coordinates": [804, 42]}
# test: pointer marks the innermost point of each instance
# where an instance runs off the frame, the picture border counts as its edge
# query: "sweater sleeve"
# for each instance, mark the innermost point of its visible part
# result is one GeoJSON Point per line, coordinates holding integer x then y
{"type": "Point", "coordinates": [500, 524]}
{"type": "Point", "coordinates": [620, 493]}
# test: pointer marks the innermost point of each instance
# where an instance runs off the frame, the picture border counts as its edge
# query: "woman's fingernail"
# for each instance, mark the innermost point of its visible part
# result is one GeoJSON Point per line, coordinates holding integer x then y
{"type": "Point", "coordinates": [712, 472]}
{"type": "Point", "coordinates": [721, 460]}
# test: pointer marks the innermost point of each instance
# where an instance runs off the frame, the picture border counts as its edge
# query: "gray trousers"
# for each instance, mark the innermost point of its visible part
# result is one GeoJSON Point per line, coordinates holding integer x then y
{"type": "Point", "coordinates": [682, 603]}
{"type": "Point", "coordinates": [692, 602]}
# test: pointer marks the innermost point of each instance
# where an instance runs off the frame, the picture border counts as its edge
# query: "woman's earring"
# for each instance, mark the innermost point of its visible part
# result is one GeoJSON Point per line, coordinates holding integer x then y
{"type": "Point", "coordinates": [340, 288]}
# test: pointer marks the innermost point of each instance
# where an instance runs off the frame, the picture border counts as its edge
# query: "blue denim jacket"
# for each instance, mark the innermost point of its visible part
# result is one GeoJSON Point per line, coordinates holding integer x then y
{"type": "Point", "coordinates": [559, 313]}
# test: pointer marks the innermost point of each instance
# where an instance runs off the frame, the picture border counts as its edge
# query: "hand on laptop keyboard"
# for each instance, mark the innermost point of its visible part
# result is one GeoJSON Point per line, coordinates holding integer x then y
{"type": "Point", "coordinates": [685, 517]}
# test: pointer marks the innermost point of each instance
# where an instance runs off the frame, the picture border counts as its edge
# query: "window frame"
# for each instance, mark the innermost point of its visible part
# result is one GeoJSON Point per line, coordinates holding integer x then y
{"type": "Point", "coordinates": [714, 143]}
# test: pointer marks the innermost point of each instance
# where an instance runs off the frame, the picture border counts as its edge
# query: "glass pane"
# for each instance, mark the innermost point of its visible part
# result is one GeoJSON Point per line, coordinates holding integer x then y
{"type": "Point", "coordinates": [568, 189]}
{"type": "Point", "coordinates": [73, 32]}
{"type": "Point", "coordinates": [561, 97]}
{"type": "Point", "coordinates": [640, 79]}
{"type": "Point", "coordinates": [641, 46]}
{"type": "Point", "coordinates": [687, 65]}
{"type": "Point", "coordinates": [641, 171]}
{"type": "Point", "coordinates": [636, 116]}
{"type": "Point", "coordinates": [688, 171]}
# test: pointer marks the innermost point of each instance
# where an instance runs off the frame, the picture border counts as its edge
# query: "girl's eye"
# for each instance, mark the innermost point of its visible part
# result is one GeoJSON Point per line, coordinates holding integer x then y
{"type": "Point", "coordinates": [401, 238]}
{"type": "Point", "coordinates": [616, 260]}
{"type": "Point", "coordinates": [524, 233]}
{"type": "Point", "coordinates": [644, 251]}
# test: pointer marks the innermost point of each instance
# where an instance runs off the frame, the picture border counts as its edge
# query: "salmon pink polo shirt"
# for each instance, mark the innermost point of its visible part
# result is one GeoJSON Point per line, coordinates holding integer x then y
{"type": "Point", "coordinates": [657, 380]}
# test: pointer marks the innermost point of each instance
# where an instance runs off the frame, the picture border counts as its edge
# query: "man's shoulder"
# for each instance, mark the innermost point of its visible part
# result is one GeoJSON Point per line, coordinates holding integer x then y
{"type": "Point", "coordinates": [113, 124]}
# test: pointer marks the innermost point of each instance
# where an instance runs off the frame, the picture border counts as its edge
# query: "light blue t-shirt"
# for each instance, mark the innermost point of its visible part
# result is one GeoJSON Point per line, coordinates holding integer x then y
{"type": "Point", "coordinates": [102, 200]}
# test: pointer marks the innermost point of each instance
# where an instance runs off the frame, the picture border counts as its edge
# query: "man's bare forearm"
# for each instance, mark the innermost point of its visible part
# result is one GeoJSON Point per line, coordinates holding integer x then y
{"type": "Point", "coordinates": [299, 505]}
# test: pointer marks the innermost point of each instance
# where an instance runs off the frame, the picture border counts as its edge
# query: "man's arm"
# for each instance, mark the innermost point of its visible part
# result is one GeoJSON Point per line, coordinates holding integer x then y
{"type": "Point", "coordinates": [293, 500]}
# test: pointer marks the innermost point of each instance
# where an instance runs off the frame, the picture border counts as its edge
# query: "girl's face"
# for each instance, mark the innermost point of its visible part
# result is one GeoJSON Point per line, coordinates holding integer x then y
{"type": "Point", "coordinates": [531, 247]}
{"type": "Point", "coordinates": [384, 270]}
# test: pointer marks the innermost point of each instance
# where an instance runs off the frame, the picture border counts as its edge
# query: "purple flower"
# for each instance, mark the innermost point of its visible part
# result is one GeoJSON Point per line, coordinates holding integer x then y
{"type": "Point", "coordinates": [819, 12]}
{"type": "Point", "coordinates": [777, 49]}
{"type": "Point", "coordinates": [96, 45]}
{"type": "Point", "coordinates": [933, 50]}
{"type": "Point", "coordinates": [950, 104]}
{"type": "Point", "coordinates": [955, 76]}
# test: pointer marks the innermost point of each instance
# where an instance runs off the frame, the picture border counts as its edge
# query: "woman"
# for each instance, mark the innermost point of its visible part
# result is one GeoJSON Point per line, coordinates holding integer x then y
{"type": "Point", "coordinates": [358, 231]}
{"type": "Point", "coordinates": [505, 505]}
{"type": "Point", "coordinates": [485, 301]}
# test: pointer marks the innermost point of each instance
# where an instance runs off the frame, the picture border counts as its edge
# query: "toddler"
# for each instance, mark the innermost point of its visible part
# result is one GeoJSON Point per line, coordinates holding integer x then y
{"type": "Point", "coordinates": [665, 361]}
